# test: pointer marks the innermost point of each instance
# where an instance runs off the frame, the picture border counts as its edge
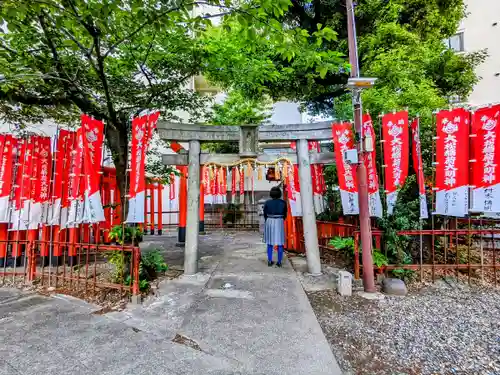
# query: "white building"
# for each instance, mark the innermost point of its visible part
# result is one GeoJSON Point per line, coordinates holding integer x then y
{"type": "Point", "coordinates": [480, 30]}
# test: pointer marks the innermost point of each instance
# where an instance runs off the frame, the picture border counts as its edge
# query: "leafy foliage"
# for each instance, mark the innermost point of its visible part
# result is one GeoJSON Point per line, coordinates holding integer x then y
{"type": "Point", "coordinates": [304, 56]}
{"type": "Point", "coordinates": [346, 245]}
{"type": "Point", "coordinates": [154, 261]}
{"type": "Point", "coordinates": [379, 259]}
{"type": "Point", "coordinates": [343, 243]}
{"type": "Point", "coordinates": [276, 60]}
{"type": "Point", "coordinates": [125, 234]}
{"type": "Point", "coordinates": [110, 59]}
{"type": "Point", "coordinates": [121, 262]}
{"type": "Point", "coordinates": [151, 264]}
{"type": "Point", "coordinates": [237, 110]}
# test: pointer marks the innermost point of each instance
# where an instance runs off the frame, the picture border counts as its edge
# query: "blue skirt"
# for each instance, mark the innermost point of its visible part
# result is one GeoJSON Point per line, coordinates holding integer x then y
{"type": "Point", "coordinates": [274, 231]}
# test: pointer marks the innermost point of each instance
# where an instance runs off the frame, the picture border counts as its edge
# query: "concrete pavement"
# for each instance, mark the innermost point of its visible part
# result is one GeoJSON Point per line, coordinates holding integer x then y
{"type": "Point", "coordinates": [236, 317]}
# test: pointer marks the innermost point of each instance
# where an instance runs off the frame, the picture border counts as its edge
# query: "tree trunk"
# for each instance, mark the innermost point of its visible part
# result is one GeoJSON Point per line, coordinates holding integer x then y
{"type": "Point", "coordinates": [117, 138]}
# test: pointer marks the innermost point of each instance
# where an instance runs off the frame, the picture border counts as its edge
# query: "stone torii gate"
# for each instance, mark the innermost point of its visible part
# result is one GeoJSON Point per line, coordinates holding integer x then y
{"type": "Point", "coordinates": [248, 137]}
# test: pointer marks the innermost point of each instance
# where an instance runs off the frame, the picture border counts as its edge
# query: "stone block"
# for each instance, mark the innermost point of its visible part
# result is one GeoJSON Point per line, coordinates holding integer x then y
{"type": "Point", "coordinates": [395, 287]}
{"type": "Point", "coordinates": [344, 285]}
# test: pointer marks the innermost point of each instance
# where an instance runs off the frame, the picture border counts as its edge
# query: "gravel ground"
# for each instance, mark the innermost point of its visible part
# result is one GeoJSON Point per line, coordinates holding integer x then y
{"type": "Point", "coordinates": [440, 329]}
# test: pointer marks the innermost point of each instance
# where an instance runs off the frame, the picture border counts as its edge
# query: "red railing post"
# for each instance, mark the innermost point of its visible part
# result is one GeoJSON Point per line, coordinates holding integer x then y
{"type": "Point", "coordinates": [146, 209]}
{"type": "Point", "coordinates": [44, 246]}
{"type": "Point", "coordinates": [182, 205]}
{"type": "Point", "coordinates": [152, 206]}
{"type": "Point", "coordinates": [31, 257]}
{"type": "Point", "coordinates": [160, 208]}
{"type": "Point", "coordinates": [202, 207]}
{"type": "Point", "coordinates": [356, 256]}
{"type": "Point", "coordinates": [4, 237]}
{"type": "Point", "coordinates": [136, 256]}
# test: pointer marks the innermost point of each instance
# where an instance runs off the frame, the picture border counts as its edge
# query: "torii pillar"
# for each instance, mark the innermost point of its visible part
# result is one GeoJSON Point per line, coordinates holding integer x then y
{"type": "Point", "coordinates": [248, 136]}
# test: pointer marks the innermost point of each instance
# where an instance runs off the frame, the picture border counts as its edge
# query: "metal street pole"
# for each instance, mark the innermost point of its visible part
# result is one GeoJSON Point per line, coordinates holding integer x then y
{"type": "Point", "coordinates": [364, 211]}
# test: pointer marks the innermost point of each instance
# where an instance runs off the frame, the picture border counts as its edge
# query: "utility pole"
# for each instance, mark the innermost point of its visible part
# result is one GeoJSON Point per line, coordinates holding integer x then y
{"type": "Point", "coordinates": [364, 211]}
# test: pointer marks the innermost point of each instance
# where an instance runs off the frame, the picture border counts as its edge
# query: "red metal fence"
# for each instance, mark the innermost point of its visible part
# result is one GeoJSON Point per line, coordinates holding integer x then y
{"type": "Point", "coordinates": [77, 266]}
{"type": "Point", "coordinates": [467, 250]}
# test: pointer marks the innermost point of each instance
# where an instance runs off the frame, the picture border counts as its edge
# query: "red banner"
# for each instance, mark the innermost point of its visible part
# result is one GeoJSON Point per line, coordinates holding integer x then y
{"type": "Point", "coordinates": [151, 125]}
{"type": "Point", "coordinates": [92, 145]}
{"type": "Point", "coordinates": [242, 181]}
{"type": "Point", "coordinates": [375, 204]}
{"type": "Point", "coordinates": [233, 184]}
{"type": "Point", "coordinates": [452, 149]}
{"type": "Point", "coordinates": [223, 187]}
{"type": "Point", "coordinates": [75, 176]}
{"type": "Point", "coordinates": [44, 176]}
{"type": "Point", "coordinates": [396, 149]}
{"type": "Point", "coordinates": [76, 186]}
{"type": "Point", "coordinates": [418, 167]}
{"type": "Point", "coordinates": [93, 138]}
{"type": "Point", "coordinates": [296, 178]}
{"type": "Point", "coordinates": [22, 186]}
{"type": "Point", "coordinates": [137, 181]}
{"type": "Point", "coordinates": [486, 153]}
{"type": "Point", "coordinates": [213, 181]}
{"type": "Point", "coordinates": [137, 189]}
{"type": "Point", "coordinates": [8, 146]}
{"type": "Point", "coordinates": [371, 157]}
{"type": "Point", "coordinates": [343, 140]}
{"type": "Point", "coordinates": [396, 154]}
{"type": "Point", "coordinates": [24, 171]}
{"type": "Point", "coordinates": [452, 160]}
{"type": "Point", "coordinates": [65, 141]}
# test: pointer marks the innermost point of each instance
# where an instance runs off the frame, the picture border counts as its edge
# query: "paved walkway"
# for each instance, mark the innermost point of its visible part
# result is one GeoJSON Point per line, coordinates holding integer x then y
{"type": "Point", "coordinates": [236, 317]}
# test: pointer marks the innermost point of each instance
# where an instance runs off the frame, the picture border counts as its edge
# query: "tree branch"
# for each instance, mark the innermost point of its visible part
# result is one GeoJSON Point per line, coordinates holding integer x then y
{"type": "Point", "coordinates": [28, 99]}
{"type": "Point", "coordinates": [7, 48]}
{"type": "Point", "coordinates": [144, 24]}
{"type": "Point", "coordinates": [165, 89]}
{"type": "Point", "coordinates": [102, 76]}
{"type": "Point", "coordinates": [74, 93]}
{"type": "Point", "coordinates": [141, 67]}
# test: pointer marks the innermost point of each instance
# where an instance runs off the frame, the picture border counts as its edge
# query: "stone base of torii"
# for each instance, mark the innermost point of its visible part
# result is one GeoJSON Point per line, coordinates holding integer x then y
{"type": "Point", "coordinates": [249, 137]}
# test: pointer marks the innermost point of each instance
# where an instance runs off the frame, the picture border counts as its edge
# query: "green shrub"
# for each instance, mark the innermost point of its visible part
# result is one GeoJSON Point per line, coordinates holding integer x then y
{"type": "Point", "coordinates": [126, 235]}
{"type": "Point", "coordinates": [343, 244]}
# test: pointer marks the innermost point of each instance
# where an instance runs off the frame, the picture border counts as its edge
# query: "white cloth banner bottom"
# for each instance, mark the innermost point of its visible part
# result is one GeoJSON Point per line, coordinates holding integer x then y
{"type": "Point", "coordinates": [453, 202]}
{"type": "Point", "coordinates": [424, 213]}
{"type": "Point", "coordinates": [28, 217]}
{"type": "Point", "coordinates": [375, 204]}
{"type": "Point", "coordinates": [350, 202]}
{"type": "Point", "coordinates": [76, 213]}
{"type": "Point", "coordinates": [94, 212]}
{"type": "Point", "coordinates": [136, 208]}
{"type": "Point", "coordinates": [319, 203]}
{"type": "Point", "coordinates": [296, 204]}
{"type": "Point", "coordinates": [4, 210]}
{"type": "Point", "coordinates": [216, 199]}
{"type": "Point", "coordinates": [486, 199]}
{"type": "Point", "coordinates": [56, 215]}
{"type": "Point", "coordinates": [391, 198]}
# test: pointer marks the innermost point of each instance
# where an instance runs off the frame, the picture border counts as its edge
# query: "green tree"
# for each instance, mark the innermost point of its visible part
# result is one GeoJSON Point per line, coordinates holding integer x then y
{"type": "Point", "coordinates": [400, 42]}
{"type": "Point", "coordinates": [110, 59]}
{"type": "Point", "coordinates": [237, 110]}
{"type": "Point", "coordinates": [275, 61]}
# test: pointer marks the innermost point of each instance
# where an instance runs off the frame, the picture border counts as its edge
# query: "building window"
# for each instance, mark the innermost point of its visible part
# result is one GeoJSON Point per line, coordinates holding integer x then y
{"type": "Point", "coordinates": [456, 42]}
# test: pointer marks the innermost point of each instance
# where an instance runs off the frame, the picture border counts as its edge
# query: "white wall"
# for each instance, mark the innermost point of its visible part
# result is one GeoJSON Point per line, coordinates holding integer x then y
{"type": "Point", "coordinates": [481, 33]}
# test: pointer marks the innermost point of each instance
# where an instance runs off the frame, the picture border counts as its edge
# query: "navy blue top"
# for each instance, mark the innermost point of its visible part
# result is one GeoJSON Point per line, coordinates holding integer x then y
{"type": "Point", "coordinates": [275, 207]}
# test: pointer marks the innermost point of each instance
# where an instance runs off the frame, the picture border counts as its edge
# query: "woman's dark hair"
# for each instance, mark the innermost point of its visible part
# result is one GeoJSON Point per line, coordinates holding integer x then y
{"type": "Point", "coordinates": [275, 192]}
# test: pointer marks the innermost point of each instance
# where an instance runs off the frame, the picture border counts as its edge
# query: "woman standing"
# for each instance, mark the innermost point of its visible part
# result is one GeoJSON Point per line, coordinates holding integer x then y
{"type": "Point", "coordinates": [274, 232]}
